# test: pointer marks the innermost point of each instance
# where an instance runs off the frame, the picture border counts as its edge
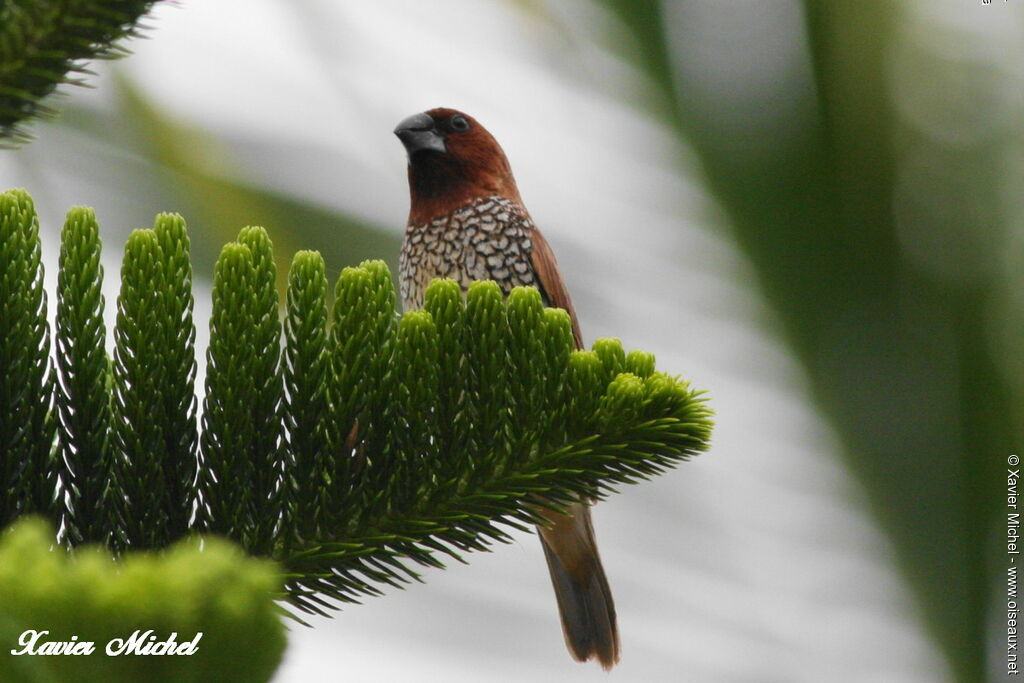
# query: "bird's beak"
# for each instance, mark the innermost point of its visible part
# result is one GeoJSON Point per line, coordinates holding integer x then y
{"type": "Point", "coordinates": [419, 134]}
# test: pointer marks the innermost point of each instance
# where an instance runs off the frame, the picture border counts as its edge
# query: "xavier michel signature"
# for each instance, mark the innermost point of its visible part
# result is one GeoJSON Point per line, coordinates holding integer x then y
{"type": "Point", "coordinates": [138, 643]}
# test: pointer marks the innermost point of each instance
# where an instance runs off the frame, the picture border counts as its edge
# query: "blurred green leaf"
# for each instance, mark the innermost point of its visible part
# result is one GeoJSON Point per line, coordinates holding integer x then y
{"type": "Point", "coordinates": [216, 591]}
{"type": "Point", "coordinates": [901, 362]}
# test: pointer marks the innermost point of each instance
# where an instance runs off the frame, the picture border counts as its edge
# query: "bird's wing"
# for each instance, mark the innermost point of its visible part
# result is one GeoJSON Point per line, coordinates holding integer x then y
{"type": "Point", "coordinates": [550, 281]}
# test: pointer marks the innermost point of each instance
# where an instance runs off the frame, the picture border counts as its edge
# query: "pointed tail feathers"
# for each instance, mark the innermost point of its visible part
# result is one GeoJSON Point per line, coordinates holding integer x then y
{"type": "Point", "coordinates": [584, 598]}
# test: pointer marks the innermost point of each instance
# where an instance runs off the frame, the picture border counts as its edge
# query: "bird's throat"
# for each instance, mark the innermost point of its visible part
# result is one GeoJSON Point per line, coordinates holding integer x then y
{"type": "Point", "coordinates": [439, 185]}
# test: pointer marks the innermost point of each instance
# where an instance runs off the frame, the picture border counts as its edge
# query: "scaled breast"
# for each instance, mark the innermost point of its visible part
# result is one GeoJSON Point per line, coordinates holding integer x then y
{"type": "Point", "coordinates": [488, 239]}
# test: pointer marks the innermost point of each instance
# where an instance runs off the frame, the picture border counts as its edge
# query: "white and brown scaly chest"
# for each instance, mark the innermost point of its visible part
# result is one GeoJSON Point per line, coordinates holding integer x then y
{"type": "Point", "coordinates": [488, 239]}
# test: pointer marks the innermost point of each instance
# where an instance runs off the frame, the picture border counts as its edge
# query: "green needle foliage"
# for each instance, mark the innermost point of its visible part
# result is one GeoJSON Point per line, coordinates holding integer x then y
{"type": "Point", "coordinates": [363, 445]}
{"type": "Point", "coordinates": [267, 450]}
{"type": "Point", "coordinates": [244, 473]}
{"type": "Point", "coordinates": [227, 470]}
{"type": "Point", "coordinates": [306, 371]}
{"type": "Point", "coordinates": [139, 383]}
{"type": "Point", "coordinates": [84, 391]}
{"type": "Point", "coordinates": [179, 362]}
{"type": "Point", "coordinates": [28, 471]}
{"type": "Point", "coordinates": [42, 41]}
{"type": "Point", "coordinates": [444, 304]}
{"type": "Point", "coordinates": [361, 333]}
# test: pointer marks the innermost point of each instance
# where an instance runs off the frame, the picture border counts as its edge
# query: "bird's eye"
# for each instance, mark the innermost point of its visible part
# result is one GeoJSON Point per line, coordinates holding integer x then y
{"type": "Point", "coordinates": [458, 123]}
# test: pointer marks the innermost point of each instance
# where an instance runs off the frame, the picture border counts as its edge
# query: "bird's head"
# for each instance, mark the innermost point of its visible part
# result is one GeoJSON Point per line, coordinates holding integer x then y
{"type": "Point", "coordinates": [453, 160]}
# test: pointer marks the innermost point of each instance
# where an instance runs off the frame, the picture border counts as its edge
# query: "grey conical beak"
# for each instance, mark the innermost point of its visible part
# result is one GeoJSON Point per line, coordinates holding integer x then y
{"type": "Point", "coordinates": [419, 134]}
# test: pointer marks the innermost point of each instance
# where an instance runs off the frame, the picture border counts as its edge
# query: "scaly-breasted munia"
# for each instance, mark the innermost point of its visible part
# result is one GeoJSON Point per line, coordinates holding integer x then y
{"type": "Point", "coordinates": [467, 222]}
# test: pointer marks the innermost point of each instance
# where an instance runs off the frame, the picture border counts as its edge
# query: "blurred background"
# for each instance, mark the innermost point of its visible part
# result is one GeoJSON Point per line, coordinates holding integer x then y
{"type": "Point", "coordinates": [812, 209]}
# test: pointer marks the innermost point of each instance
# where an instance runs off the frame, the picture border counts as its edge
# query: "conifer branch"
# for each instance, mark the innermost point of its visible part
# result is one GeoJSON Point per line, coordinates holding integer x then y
{"type": "Point", "coordinates": [140, 428]}
{"type": "Point", "coordinates": [371, 445]}
{"type": "Point", "coordinates": [178, 358]}
{"type": "Point", "coordinates": [267, 450]}
{"type": "Point", "coordinates": [226, 471]}
{"type": "Point", "coordinates": [306, 372]}
{"type": "Point", "coordinates": [43, 41]}
{"type": "Point", "coordinates": [28, 472]}
{"type": "Point", "coordinates": [83, 396]}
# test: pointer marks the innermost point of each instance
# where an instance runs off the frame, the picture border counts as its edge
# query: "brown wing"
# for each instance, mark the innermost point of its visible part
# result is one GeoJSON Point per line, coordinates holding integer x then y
{"type": "Point", "coordinates": [551, 284]}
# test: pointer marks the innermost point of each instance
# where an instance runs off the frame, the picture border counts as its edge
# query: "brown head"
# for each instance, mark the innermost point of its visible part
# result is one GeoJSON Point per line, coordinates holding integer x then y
{"type": "Point", "coordinates": [452, 161]}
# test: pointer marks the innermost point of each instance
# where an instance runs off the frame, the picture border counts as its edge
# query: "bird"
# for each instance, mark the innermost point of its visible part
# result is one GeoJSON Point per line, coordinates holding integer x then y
{"type": "Point", "coordinates": [468, 222]}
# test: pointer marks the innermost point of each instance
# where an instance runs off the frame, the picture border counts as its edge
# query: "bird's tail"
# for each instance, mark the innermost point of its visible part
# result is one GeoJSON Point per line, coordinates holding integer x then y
{"type": "Point", "coordinates": [584, 598]}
